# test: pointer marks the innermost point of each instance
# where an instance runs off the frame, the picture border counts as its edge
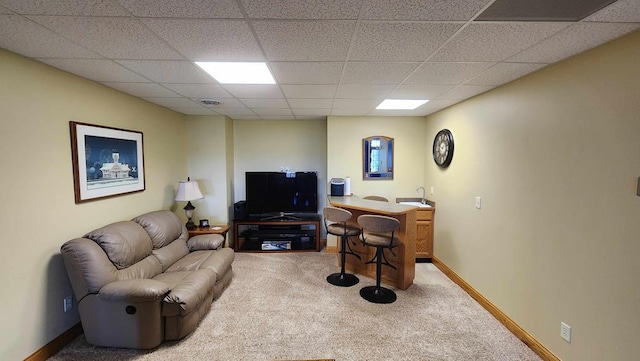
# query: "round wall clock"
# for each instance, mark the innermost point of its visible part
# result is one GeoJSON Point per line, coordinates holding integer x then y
{"type": "Point", "coordinates": [443, 148]}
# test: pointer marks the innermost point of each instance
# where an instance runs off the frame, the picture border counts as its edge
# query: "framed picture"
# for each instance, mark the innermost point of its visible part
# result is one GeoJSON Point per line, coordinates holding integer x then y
{"type": "Point", "coordinates": [107, 161]}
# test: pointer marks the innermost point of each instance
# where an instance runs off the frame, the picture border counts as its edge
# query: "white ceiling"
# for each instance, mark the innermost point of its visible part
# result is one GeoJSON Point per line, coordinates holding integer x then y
{"type": "Point", "coordinates": [329, 57]}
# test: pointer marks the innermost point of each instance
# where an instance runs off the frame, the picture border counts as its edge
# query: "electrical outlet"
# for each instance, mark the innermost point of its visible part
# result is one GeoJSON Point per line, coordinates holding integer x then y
{"type": "Point", "coordinates": [282, 169]}
{"type": "Point", "coordinates": [432, 190]}
{"type": "Point", "coordinates": [68, 303]}
{"type": "Point", "coordinates": [565, 331]}
{"type": "Point", "coordinates": [478, 202]}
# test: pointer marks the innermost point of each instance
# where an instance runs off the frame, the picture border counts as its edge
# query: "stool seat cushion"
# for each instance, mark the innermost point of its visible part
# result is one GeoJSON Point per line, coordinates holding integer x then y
{"type": "Point", "coordinates": [380, 239]}
{"type": "Point", "coordinates": [340, 229]}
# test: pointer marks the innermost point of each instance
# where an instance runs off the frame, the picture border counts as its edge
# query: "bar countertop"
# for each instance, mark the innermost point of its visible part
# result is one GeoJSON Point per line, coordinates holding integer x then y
{"type": "Point", "coordinates": [384, 208]}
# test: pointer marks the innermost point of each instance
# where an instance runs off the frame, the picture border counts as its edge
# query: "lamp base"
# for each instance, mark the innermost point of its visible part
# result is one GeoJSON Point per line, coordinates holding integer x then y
{"type": "Point", "coordinates": [190, 225]}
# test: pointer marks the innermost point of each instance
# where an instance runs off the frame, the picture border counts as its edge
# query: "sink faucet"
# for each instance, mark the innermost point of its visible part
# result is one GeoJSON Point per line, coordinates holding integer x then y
{"type": "Point", "coordinates": [422, 200]}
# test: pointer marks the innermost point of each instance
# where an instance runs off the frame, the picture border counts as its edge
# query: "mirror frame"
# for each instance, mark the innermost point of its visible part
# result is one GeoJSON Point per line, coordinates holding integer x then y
{"type": "Point", "coordinates": [367, 174]}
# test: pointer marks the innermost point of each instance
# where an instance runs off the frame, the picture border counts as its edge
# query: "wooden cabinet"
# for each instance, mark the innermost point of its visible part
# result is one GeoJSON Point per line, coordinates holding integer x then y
{"type": "Point", "coordinates": [424, 234]}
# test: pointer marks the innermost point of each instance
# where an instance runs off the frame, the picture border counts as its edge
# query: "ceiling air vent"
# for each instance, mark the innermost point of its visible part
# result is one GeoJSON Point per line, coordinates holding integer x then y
{"type": "Point", "coordinates": [209, 102]}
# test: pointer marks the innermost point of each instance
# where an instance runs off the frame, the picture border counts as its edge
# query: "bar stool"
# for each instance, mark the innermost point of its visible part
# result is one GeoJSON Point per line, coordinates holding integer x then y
{"type": "Point", "coordinates": [379, 232]}
{"type": "Point", "coordinates": [340, 228]}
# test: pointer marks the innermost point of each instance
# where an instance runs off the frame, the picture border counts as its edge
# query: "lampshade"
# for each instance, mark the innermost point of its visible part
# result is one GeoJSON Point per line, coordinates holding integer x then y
{"type": "Point", "coordinates": [188, 191]}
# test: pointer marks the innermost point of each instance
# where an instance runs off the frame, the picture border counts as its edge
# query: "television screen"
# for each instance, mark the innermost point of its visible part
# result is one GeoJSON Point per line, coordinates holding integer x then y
{"type": "Point", "coordinates": [280, 192]}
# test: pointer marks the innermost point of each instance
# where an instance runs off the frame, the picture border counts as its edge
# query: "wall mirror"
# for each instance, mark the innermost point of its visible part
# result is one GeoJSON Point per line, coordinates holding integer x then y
{"type": "Point", "coordinates": [377, 155]}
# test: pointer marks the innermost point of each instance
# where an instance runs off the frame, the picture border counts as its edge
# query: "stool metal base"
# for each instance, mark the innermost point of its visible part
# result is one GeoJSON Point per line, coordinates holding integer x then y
{"type": "Point", "coordinates": [378, 294]}
{"type": "Point", "coordinates": [342, 280]}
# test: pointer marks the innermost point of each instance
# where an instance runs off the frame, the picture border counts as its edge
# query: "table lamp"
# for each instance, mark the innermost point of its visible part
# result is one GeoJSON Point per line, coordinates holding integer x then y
{"type": "Point", "coordinates": [188, 191]}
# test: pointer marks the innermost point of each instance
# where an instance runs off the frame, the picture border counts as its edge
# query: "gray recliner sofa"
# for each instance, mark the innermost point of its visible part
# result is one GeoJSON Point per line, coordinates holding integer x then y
{"type": "Point", "coordinates": [140, 282]}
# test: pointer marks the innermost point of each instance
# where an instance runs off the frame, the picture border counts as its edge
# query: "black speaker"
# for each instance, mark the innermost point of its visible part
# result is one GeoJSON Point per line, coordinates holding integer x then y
{"type": "Point", "coordinates": [240, 210]}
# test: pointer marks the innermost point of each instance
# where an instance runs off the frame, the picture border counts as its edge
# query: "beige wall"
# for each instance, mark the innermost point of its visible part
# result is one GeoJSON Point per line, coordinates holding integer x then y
{"type": "Point", "coordinates": [555, 157]}
{"type": "Point", "coordinates": [345, 159]}
{"type": "Point", "coordinates": [38, 213]}
{"type": "Point", "coordinates": [208, 164]}
{"type": "Point", "coordinates": [270, 145]}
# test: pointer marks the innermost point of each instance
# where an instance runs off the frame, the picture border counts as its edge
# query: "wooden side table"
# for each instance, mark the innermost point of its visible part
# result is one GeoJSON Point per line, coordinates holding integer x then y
{"type": "Point", "coordinates": [221, 229]}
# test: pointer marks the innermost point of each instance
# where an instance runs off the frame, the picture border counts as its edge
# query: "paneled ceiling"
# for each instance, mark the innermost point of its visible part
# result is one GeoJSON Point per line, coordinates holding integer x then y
{"type": "Point", "coordinates": [328, 57]}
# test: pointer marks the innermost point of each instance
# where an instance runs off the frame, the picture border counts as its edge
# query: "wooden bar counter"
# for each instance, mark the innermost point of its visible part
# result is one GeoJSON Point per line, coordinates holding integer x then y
{"type": "Point", "coordinates": [405, 259]}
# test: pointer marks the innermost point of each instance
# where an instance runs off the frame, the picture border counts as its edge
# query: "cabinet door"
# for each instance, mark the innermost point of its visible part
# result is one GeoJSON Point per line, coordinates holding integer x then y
{"type": "Point", "coordinates": [424, 243]}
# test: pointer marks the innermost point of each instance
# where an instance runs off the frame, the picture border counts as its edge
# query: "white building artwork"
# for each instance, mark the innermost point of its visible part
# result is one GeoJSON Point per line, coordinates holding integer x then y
{"type": "Point", "coordinates": [115, 170]}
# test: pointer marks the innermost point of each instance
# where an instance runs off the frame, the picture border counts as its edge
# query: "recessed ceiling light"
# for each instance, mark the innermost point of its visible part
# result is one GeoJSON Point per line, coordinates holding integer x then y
{"type": "Point", "coordinates": [209, 102]}
{"type": "Point", "coordinates": [401, 103]}
{"type": "Point", "coordinates": [238, 73]}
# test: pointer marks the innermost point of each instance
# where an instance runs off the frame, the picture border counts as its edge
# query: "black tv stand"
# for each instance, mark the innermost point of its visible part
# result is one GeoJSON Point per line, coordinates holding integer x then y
{"type": "Point", "coordinates": [286, 233]}
{"type": "Point", "coordinates": [281, 217]}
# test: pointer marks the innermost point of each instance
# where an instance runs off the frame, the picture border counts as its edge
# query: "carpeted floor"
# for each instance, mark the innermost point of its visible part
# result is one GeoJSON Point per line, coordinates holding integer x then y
{"type": "Point", "coordinates": [280, 307]}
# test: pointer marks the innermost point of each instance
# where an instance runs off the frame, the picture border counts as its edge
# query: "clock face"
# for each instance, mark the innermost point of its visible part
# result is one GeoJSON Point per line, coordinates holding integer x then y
{"type": "Point", "coordinates": [443, 148]}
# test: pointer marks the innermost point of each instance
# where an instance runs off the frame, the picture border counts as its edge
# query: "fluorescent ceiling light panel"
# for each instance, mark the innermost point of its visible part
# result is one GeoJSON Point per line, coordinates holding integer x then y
{"type": "Point", "coordinates": [401, 103]}
{"type": "Point", "coordinates": [238, 73]}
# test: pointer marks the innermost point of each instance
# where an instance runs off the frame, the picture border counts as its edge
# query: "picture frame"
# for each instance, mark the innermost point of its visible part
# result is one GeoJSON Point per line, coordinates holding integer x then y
{"type": "Point", "coordinates": [107, 161]}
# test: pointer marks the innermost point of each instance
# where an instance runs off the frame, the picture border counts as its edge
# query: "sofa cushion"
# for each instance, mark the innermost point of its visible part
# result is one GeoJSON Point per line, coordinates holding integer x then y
{"type": "Point", "coordinates": [188, 289]}
{"type": "Point", "coordinates": [219, 261]}
{"type": "Point", "coordinates": [163, 227]}
{"type": "Point", "coordinates": [169, 254]}
{"type": "Point", "coordinates": [205, 242]}
{"type": "Point", "coordinates": [125, 243]}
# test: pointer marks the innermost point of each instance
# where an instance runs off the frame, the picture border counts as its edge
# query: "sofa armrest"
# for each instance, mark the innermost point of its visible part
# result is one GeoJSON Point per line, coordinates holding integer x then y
{"type": "Point", "coordinates": [138, 290]}
{"type": "Point", "coordinates": [205, 242]}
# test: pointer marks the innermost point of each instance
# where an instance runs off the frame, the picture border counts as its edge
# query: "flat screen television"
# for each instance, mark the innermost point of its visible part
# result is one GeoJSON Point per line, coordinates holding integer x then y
{"type": "Point", "coordinates": [272, 193]}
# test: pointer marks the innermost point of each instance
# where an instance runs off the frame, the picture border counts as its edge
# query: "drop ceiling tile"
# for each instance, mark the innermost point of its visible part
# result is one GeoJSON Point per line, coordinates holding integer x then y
{"type": "Point", "coordinates": [208, 40]}
{"type": "Point", "coordinates": [296, 9]}
{"type": "Point", "coordinates": [422, 10]}
{"type": "Point", "coordinates": [419, 91]}
{"type": "Point", "coordinates": [194, 111]}
{"type": "Point", "coordinates": [503, 73]}
{"type": "Point", "coordinates": [119, 38]}
{"type": "Point", "coordinates": [173, 102]}
{"type": "Point", "coordinates": [277, 117]}
{"type": "Point", "coordinates": [96, 69]}
{"type": "Point", "coordinates": [465, 91]}
{"type": "Point", "coordinates": [310, 103]}
{"type": "Point", "coordinates": [265, 103]}
{"type": "Point", "coordinates": [168, 71]}
{"type": "Point", "coordinates": [399, 41]}
{"type": "Point", "coordinates": [270, 112]}
{"type": "Point", "coordinates": [305, 40]}
{"type": "Point", "coordinates": [359, 91]}
{"type": "Point", "coordinates": [309, 91]}
{"type": "Point", "coordinates": [573, 40]}
{"type": "Point", "coordinates": [310, 112]}
{"type": "Point", "coordinates": [142, 90]}
{"type": "Point", "coordinates": [306, 72]}
{"type": "Point", "coordinates": [439, 104]}
{"type": "Point", "coordinates": [356, 103]}
{"type": "Point", "coordinates": [199, 90]}
{"type": "Point", "coordinates": [64, 7]}
{"type": "Point", "coordinates": [234, 112]}
{"type": "Point", "coordinates": [495, 41]}
{"type": "Point", "coordinates": [621, 11]}
{"type": "Point", "coordinates": [27, 38]}
{"type": "Point", "coordinates": [377, 73]}
{"type": "Point", "coordinates": [351, 112]}
{"type": "Point", "coordinates": [311, 117]}
{"type": "Point", "coordinates": [254, 90]}
{"type": "Point", "coordinates": [396, 113]}
{"type": "Point", "coordinates": [446, 73]}
{"type": "Point", "coordinates": [221, 9]}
